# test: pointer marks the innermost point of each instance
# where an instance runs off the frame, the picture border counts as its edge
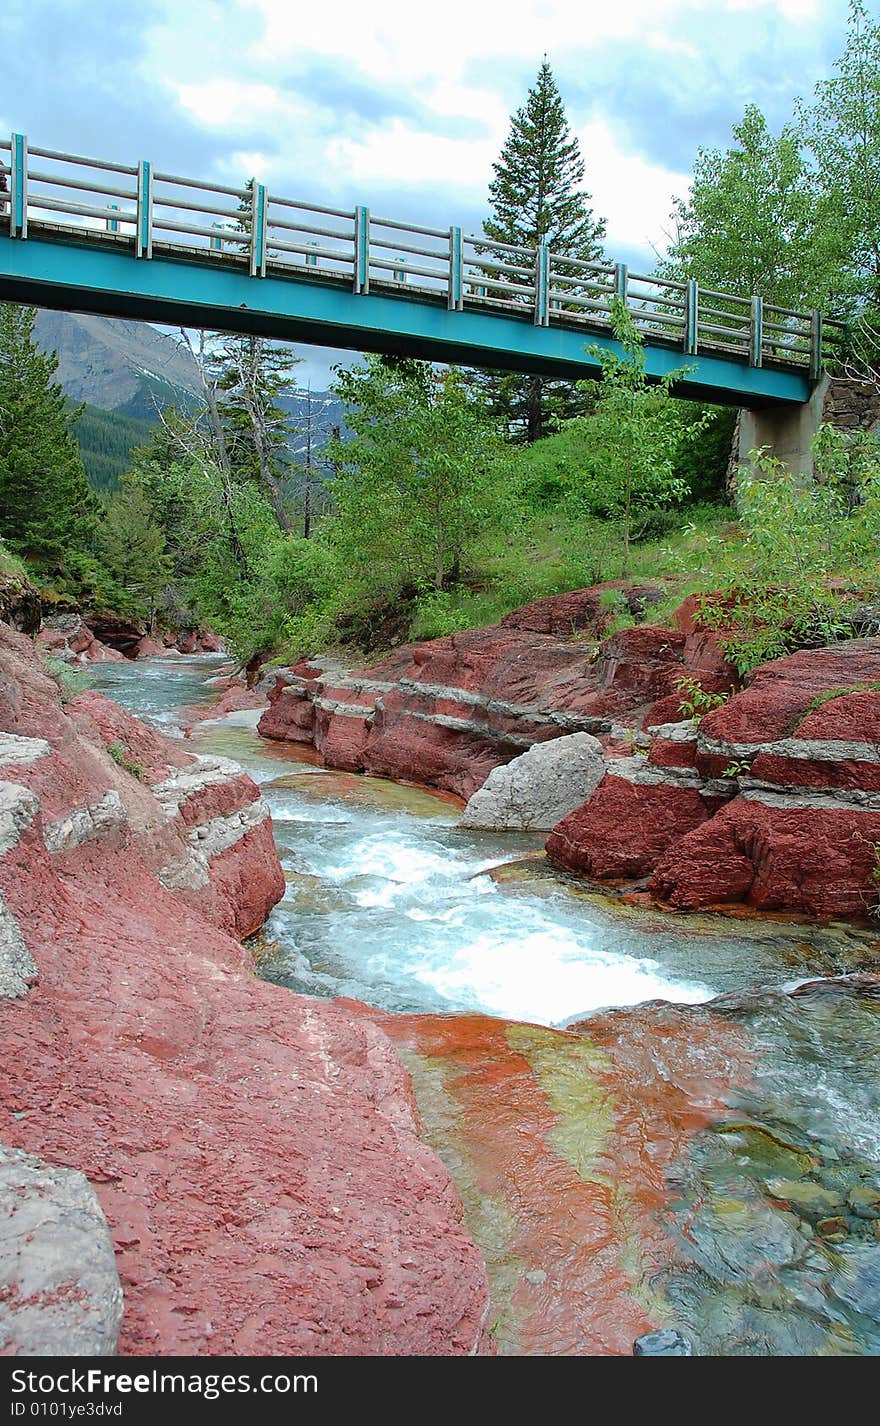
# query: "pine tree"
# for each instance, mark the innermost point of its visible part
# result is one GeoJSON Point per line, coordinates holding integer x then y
{"type": "Point", "coordinates": [537, 196]}
{"type": "Point", "coordinates": [536, 192]}
{"type": "Point", "coordinates": [47, 510]}
{"type": "Point", "coordinates": [132, 547]}
{"type": "Point", "coordinates": [254, 374]}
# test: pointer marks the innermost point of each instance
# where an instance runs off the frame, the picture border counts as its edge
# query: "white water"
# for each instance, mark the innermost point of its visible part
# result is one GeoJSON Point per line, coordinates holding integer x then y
{"type": "Point", "coordinates": [389, 902]}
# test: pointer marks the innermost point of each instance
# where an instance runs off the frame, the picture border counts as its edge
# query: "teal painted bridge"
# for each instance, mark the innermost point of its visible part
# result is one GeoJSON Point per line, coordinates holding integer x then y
{"type": "Point", "coordinates": [124, 240]}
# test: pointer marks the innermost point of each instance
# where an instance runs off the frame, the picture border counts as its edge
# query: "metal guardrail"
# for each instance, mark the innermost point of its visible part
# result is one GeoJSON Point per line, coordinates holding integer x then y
{"type": "Point", "coordinates": [147, 212]}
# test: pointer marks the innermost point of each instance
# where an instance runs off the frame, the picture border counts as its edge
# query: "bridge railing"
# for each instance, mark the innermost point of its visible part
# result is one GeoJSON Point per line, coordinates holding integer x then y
{"type": "Point", "coordinates": [143, 211]}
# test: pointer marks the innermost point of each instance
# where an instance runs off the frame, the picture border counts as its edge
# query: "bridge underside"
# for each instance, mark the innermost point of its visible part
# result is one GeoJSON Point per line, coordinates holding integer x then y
{"type": "Point", "coordinates": [176, 292]}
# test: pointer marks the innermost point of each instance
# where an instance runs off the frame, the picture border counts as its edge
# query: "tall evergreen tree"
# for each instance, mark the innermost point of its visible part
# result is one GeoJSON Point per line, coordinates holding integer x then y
{"type": "Point", "coordinates": [132, 548]}
{"type": "Point", "coordinates": [47, 510]}
{"type": "Point", "coordinates": [537, 196]}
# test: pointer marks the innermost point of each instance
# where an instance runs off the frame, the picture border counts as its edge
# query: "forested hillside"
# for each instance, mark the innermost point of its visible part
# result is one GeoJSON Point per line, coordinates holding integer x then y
{"type": "Point", "coordinates": [445, 497]}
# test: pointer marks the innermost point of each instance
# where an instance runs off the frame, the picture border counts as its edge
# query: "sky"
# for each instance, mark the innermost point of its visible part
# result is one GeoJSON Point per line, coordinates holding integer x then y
{"type": "Point", "coordinates": [332, 105]}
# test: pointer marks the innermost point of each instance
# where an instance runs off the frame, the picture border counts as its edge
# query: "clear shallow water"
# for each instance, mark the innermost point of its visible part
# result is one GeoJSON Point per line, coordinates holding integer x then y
{"type": "Point", "coordinates": [727, 1146]}
{"type": "Point", "coordinates": [389, 902]}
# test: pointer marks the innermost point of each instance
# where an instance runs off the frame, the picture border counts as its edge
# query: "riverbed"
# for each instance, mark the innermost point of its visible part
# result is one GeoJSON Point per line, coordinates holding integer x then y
{"type": "Point", "coordinates": [391, 902]}
{"type": "Point", "coordinates": [672, 1158]}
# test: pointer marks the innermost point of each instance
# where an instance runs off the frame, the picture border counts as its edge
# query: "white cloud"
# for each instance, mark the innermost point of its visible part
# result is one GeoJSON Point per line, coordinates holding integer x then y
{"type": "Point", "coordinates": [236, 64]}
{"type": "Point", "coordinates": [635, 196]}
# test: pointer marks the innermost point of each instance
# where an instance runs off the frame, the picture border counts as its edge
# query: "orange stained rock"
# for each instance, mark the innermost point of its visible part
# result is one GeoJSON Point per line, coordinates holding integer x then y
{"type": "Point", "coordinates": [560, 1143]}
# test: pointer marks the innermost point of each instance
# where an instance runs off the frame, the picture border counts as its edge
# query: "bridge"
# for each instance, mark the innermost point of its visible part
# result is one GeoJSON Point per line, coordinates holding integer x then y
{"type": "Point", "coordinates": [125, 240]}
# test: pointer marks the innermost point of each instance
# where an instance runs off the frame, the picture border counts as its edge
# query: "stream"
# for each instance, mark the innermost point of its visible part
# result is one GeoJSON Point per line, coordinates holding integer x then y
{"type": "Point", "coordinates": [712, 1167]}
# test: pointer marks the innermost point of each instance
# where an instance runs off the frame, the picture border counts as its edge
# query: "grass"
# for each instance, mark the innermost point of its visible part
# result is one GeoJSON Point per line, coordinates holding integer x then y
{"type": "Point", "coordinates": [120, 752]}
{"type": "Point", "coordinates": [11, 566]}
{"type": "Point", "coordinates": [69, 682]}
{"type": "Point", "coordinates": [828, 695]}
{"type": "Point", "coordinates": [552, 556]}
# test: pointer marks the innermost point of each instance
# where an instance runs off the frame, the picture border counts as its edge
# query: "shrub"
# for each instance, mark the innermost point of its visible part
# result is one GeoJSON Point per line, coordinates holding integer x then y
{"type": "Point", "coordinates": [69, 681]}
{"type": "Point", "coordinates": [120, 752]}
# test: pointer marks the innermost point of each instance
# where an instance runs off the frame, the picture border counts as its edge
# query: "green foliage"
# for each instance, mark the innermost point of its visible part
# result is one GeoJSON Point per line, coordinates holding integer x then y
{"type": "Point", "coordinates": [751, 222]}
{"type": "Point", "coordinates": [703, 450]}
{"type": "Point", "coordinates": [537, 195]}
{"type": "Point", "coordinates": [120, 752]}
{"type": "Point", "coordinates": [48, 514]}
{"type": "Point", "coordinates": [10, 564]}
{"type": "Point", "coordinates": [633, 435]}
{"type": "Point", "coordinates": [105, 440]}
{"type": "Point", "coordinates": [420, 482]}
{"type": "Point", "coordinates": [694, 701]}
{"type": "Point", "coordinates": [842, 132]}
{"type": "Point", "coordinates": [69, 681]}
{"type": "Point", "coordinates": [253, 375]}
{"type": "Point", "coordinates": [132, 549]}
{"type": "Point", "coordinates": [799, 530]}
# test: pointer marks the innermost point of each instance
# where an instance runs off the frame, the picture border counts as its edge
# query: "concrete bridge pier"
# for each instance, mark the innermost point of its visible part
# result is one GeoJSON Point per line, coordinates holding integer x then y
{"type": "Point", "coordinates": [787, 430]}
{"type": "Point", "coordinates": [846, 402]}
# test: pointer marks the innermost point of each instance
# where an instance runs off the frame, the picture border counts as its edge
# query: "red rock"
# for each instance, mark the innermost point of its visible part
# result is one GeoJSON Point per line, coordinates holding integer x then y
{"type": "Point", "coordinates": [147, 648]}
{"type": "Point", "coordinates": [255, 1152]}
{"type": "Point", "coordinates": [624, 828]}
{"type": "Point", "coordinates": [667, 752]}
{"type": "Point", "coordinates": [79, 772]}
{"type": "Point", "coordinates": [102, 653]}
{"type": "Point", "coordinates": [582, 609]}
{"type": "Point", "coordinates": [806, 772]}
{"type": "Point", "coordinates": [121, 634]}
{"type": "Point", "coordinates": [99, 719]}
{"type": "Point", "coordinates": [197, 641]}
{"type": "Point", "coordinates": [776, 703]}
{"type": "Point", "coordinates": [447, 711]}
{"type": "Point", "coordinates": [48, 640]}
{"type": "Point", "coordinates": [801, 841]}
{"type": "Point", "coordinates": [812, 861]}
{"type": "Point", "coordinates": [233, 699]}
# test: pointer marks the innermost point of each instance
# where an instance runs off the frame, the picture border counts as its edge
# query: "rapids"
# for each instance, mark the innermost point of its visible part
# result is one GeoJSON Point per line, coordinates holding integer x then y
{"type": "Point", "coordinates": [669, 1158]}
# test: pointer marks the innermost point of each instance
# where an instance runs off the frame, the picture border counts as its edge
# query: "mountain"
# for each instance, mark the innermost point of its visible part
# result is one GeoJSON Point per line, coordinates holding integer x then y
{"type": "Point", "coordinates": [125, 371]}
{"type": "Point", "coordinates": [117, 365]}
{"type": "Point", "coordinates": [320, 409]}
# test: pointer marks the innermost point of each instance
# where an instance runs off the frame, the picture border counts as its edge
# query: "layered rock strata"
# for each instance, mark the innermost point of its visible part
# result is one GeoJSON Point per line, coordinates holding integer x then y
{"type": "Point", "coordinates": [255, 1153]}
{"type": "Point", "coordinates": [448, 711]}
{"type": "Point", "coordinates": [772, 800]}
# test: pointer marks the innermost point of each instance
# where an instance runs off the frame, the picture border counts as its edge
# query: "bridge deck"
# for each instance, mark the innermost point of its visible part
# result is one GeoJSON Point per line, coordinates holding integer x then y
{"type": "Point", "coordinates": [296, 272]}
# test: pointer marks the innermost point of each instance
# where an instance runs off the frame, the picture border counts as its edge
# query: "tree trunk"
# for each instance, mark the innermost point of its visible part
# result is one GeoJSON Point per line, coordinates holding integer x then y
{"type": "Point", "coordinates": [307, 499]}
{"type": "Point", "coordinates": [257, 417]}
{"type": "Point", "coordinates": [218, 436]}
{"type": "Point", "coordinates": [535, 409]}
